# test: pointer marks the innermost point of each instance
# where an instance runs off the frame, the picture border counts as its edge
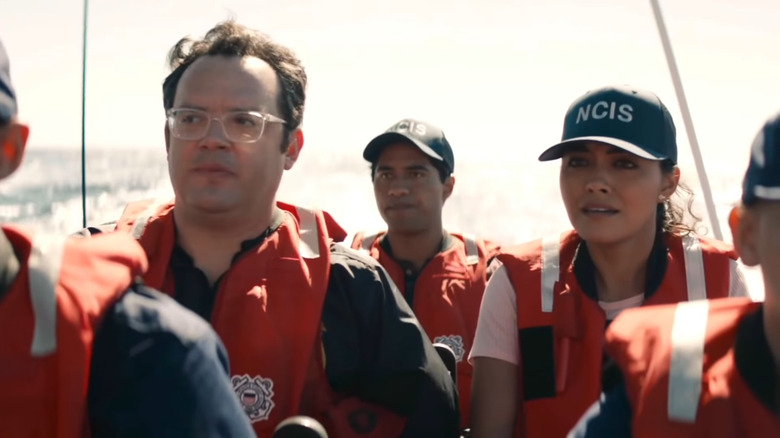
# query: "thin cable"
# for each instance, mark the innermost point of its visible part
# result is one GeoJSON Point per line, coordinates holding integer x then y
{"type": "Point", "coordinates": [83, 118]}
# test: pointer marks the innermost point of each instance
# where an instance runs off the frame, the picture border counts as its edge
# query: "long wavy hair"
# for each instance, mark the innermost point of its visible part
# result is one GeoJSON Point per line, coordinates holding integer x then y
{"type": "Point", "coordinates": [671, 214]}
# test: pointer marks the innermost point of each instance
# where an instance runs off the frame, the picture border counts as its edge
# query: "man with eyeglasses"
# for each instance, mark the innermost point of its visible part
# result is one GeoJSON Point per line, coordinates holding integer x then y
{"type": "Point", "coordinates": [88, 350]}
{"type": "Point", "coordinates": [311, 327]}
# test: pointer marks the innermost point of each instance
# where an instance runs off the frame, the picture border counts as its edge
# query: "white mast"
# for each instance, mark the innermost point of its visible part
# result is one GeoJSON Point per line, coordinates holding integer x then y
{"type": "Point", "coordinates": [705, 183]}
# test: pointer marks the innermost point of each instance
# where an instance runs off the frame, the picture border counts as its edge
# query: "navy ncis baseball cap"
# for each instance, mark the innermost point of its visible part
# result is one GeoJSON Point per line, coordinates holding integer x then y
{"type": "Point", "coordinates": [762, 179]}
{"type": "Point", "coordinates": [7, 95]}
{"type": "Point", "coordinates": [619, 115]}
{"type": "Point", "coordinates": [428, 138]}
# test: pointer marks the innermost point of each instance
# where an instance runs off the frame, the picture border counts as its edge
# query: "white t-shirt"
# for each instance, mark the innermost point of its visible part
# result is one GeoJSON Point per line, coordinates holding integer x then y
{"type": "Point", "coordinates": [496, 335]}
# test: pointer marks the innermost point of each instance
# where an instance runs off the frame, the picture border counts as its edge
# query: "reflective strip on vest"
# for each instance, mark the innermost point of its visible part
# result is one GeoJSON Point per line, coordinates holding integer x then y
{"type": "Point", "coordinates": [139, 225]}
{"type": "Point", "coordinates": [694, 268]}
{"type": "Point", "coordinates": [550, 270]}
{"type": "Point", "coordinates": [368, 242]}
{"type": "Point", "coordinates": [309, 243]}
{"type": "Point", "coordinates": [44, 273]}
{"type": "Point", "coordinates": [472, 251]}
{"type": "Point", "coordinates": [687, 362]}
{"type": "Point", "coordinates": [365, 243]}
{"type": "Point", "coordinates": [349, 240]}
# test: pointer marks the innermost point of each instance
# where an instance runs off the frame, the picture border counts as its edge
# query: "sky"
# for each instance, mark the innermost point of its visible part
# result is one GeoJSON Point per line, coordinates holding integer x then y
{"type": "Point", "coordinates": [497, 75]}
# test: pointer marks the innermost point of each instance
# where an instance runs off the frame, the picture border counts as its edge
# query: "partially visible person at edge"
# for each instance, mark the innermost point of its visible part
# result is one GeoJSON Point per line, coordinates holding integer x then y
{"type": "Point", "coordinates": [706, 368]}
{"type": "Point", "coordinates": [311, 327]}
{"type": "Point", "coordinates": [538, 356]}
{"type": "Point", "coordinates": [85, 349]}
{"type": "Point", "coordinates": [442, 275]}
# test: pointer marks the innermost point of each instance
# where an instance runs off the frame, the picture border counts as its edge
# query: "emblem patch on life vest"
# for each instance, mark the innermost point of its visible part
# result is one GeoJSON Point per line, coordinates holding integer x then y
{"type": "Point", "coordinates": [455, 342]}
{"type": "Point", "coordinates": [255, 395]}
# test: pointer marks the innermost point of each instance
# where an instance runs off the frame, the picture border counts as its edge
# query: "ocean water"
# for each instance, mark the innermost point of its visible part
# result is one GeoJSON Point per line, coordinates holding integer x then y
{"type": "Point", "coordinates": [45, 193]}
{"type": "Point", "coordinates": [509, 200]}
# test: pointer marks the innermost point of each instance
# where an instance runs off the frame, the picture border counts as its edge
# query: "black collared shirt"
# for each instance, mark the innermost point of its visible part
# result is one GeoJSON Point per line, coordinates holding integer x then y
{"type": "Point", "coordinates": [192, 288]}
{"type": "Point", "coordinates": [411, 274]}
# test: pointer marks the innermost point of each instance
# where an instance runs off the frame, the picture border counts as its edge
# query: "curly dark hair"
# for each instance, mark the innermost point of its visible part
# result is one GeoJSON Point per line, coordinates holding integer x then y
{"type": "Point", "coordinates": [670, 215]}
{"type": "Point", "coordinates": [229, 38]}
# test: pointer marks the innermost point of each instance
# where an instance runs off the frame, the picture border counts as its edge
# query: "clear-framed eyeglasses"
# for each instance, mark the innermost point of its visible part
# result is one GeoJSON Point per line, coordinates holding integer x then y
{"type": "Point", "coordinates": [239, 126]}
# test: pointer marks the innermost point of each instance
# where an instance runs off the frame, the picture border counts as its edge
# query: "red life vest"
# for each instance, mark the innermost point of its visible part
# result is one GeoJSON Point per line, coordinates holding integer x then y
{"type": "Point", "coordinates": [561, 330]}
{"type": "Point", "coordinates": [680, 372]}
{"type": "Point", "coordinates": [48, 320]}
{"type": "Point", "coordinates": [448, 293]}
{"type": "Point", "coordinates": [268, 314]}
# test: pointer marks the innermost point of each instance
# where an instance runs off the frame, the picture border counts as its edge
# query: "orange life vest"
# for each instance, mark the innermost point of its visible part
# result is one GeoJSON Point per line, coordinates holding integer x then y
{"type": "Point", "coordinates": [680, 372]}
{"type": "Point", "coordinates": [47, 325]}
{"type": "Point", "coordinates": [561, 330]}
{"type": "Point", "coordinates": [268, 314]}
{"type": "Point", "coordinates": [448, 293]}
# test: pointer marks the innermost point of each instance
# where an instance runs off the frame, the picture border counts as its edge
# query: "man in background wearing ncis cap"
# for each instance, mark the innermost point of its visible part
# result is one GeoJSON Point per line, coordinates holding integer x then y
{"type": "Point", "coordinates": [442, 275]}
{"type": "Point", "coordinates": [706, 367]}
{"type": "Point", "coordinates": [85, 349]}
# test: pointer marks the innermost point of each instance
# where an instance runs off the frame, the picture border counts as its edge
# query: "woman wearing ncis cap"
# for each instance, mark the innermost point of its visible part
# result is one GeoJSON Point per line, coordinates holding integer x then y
{"type": "Point", "coordinates": [538, 356]}
{"type": "Point", "coordinates": [722, 380]}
